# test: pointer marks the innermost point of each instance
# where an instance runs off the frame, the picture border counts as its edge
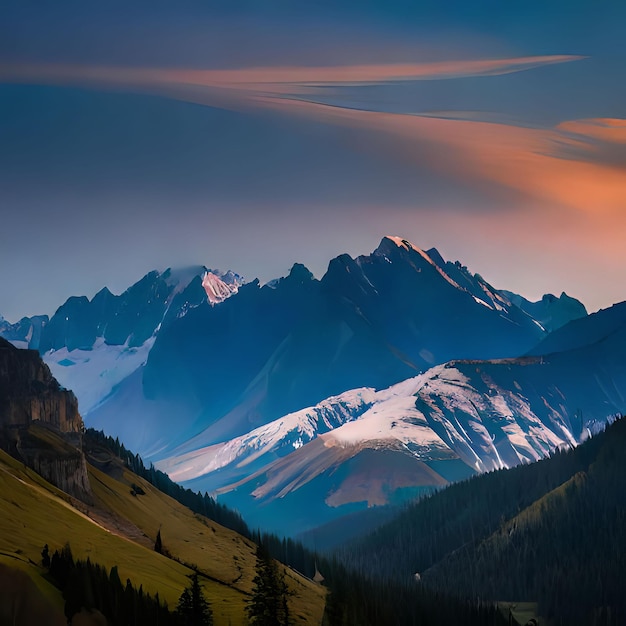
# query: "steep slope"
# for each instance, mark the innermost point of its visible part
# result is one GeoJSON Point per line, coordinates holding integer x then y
{"type": "Point", "coordinates": [37, 514]}
{"type": "Point", "coordinates": [370, 321]}
{"type": "Point", "coordinates": [222, 555]}
{"type": "Point", "coordinates": [119, 529]}
{"type": "Point", "coordinates": [29, 392]}
{"type": "Point", "coordinates": [117, 519]}
{"type": "Point", "coordinates": [452, 421]}
{"type": "Point", "coordinates": [595, 328]}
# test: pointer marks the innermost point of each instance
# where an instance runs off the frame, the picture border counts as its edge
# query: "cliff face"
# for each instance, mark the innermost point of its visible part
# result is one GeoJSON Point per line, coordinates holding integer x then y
{"type": "Point", "coordinates": [39, 421]}
{"type": "Point", "coordinates": [29, 392]}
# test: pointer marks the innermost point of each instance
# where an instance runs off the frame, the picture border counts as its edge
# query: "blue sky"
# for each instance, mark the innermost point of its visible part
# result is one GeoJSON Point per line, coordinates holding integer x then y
{"type": "Point", "coordinates": [250, 136]}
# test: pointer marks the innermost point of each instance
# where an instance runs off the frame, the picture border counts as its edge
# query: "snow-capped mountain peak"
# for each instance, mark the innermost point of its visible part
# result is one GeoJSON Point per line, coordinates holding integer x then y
{"type": "Point", "coordinates": [93, 345]}
{"type": "Point", "coordinates": [272, 440]}
{"type": "Point", "coordinates": [218, 285]}
{"type": "Point", "coordinates": [389, 242]}
{"type": "Point", "coordinates": [217, 290]}
{"type": "Point", "coordinates": [441, 414]}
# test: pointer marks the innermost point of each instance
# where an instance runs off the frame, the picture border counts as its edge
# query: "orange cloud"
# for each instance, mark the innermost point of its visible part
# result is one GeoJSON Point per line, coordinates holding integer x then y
{"type": "Point", "coordinates": [606, 129]}
{"type": "Point", "coordinates": [359, 74]}
{"type": "Point", "coordinates": [277, 79]}
{"type": "Point", "coordinates": [530, 161]}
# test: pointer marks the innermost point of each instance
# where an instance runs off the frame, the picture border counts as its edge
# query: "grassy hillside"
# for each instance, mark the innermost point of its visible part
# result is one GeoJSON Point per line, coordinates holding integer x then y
{"type": "Point", "coordinates": [226, 558]}
{"type": "Point", "coordinates": [119, 529]}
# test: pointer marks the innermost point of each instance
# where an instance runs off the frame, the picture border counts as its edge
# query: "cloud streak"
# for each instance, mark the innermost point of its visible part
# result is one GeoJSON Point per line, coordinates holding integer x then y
{"type": "Point", "coordinates": [605, 129]}
{"type": "Point", "coordinates": [533, 162]}
{"type": "Point", "coordinates": [274, 79]}
{"type": "Point", "coordinates": [537, 163]}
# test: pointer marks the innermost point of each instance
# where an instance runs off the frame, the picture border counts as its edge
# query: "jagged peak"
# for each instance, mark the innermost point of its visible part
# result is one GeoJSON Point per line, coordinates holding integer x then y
{"type": "Point", "coordinates": [434, 254]}
{"type": "Point", "coordinates": [217, 290]}
{"type": "Point", "coordinates": [184, 273]}
{"type": "Point", "coordinates": [338, 266]}
{"type": "Point", "coordinates": [341, 259]}
{"type": "Point", "coordinates": [398, 242]}
{"type": "Point", "coordinates": [105, 292]}
{"type": "Point", "coordinates": [300, 273]}
{"type": "Point", "coordinates": [564, 297]}
{"type": "Point", "coordinates": [73, 301]}
{"type": "Point", "coordinates": [389, 245]}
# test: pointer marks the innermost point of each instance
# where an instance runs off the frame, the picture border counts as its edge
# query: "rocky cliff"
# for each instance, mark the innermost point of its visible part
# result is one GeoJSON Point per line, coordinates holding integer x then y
{"type": "Point", "coordinates": [29, 392]}
{"type": "Point", "coordinates": [39, 421]}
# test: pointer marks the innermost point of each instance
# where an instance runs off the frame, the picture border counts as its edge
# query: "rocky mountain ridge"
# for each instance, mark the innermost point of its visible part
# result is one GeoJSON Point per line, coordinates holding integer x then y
{"type": "Point", "coordinates": [456, 419]}
{"type": "Point", "coordinates": [270, 350]}
{"type": "Point", "coordinates": [210, 388]}
{"type": "Point", "coordinates": [226, 357]}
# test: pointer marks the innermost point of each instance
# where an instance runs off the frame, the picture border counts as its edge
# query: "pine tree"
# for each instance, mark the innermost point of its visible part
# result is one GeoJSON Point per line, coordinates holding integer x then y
{"type": "Point", "coordinates": [184, 609]}
{"type": "Point", "coordinates": [193, 609]}
{"type": "Point", "coordinates": [158, 544]}
{"type": "Point", "coordinates": [268, 605]}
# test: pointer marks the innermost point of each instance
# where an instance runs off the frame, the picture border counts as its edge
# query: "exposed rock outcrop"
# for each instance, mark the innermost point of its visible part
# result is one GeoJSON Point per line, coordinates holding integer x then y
{"type": "Point", "coordinates": [29, 392]}
{"type": "Point", "coordinates": [39, 421]}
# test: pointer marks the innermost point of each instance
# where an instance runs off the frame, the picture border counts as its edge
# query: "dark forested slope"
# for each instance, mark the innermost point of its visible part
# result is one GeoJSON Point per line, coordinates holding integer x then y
{"type": "Point", "coordinates": [551, 532]}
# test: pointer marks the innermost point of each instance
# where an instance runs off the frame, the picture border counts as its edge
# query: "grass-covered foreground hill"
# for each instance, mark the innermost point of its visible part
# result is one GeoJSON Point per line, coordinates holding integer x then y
{"type": "Point", "coordinates": [119, 529]}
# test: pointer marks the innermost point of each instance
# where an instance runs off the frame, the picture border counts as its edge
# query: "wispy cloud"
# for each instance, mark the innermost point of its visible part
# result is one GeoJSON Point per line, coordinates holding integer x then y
{"type": "Point", "coordinates": [284, 79]}
{"type": "Point", "coordinates": [605, 129]}
{"type": "Point", "coordinates": [537, 163]}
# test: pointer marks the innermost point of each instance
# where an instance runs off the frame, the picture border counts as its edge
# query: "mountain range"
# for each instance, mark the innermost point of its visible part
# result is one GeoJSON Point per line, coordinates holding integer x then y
{"type": "Point", "coordinates": [409, 365]}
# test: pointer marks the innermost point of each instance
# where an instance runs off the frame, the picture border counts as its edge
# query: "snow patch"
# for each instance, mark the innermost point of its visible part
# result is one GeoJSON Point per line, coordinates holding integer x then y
{"type": "Point", "coordinates": [482, 302]}
{"type": "Point", "coordinates": [92, 374]}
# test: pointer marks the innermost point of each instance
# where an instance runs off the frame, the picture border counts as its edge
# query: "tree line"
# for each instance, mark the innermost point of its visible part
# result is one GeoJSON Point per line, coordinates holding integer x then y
{"type": "Point", "coordinates": [202, 504]}
{"type": "Point", "coordinates": [87, 586]}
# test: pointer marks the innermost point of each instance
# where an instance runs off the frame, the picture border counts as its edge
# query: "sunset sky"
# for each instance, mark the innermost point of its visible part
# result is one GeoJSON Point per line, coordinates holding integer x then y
{"type": "Point", "coordinates": [251, 135]}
